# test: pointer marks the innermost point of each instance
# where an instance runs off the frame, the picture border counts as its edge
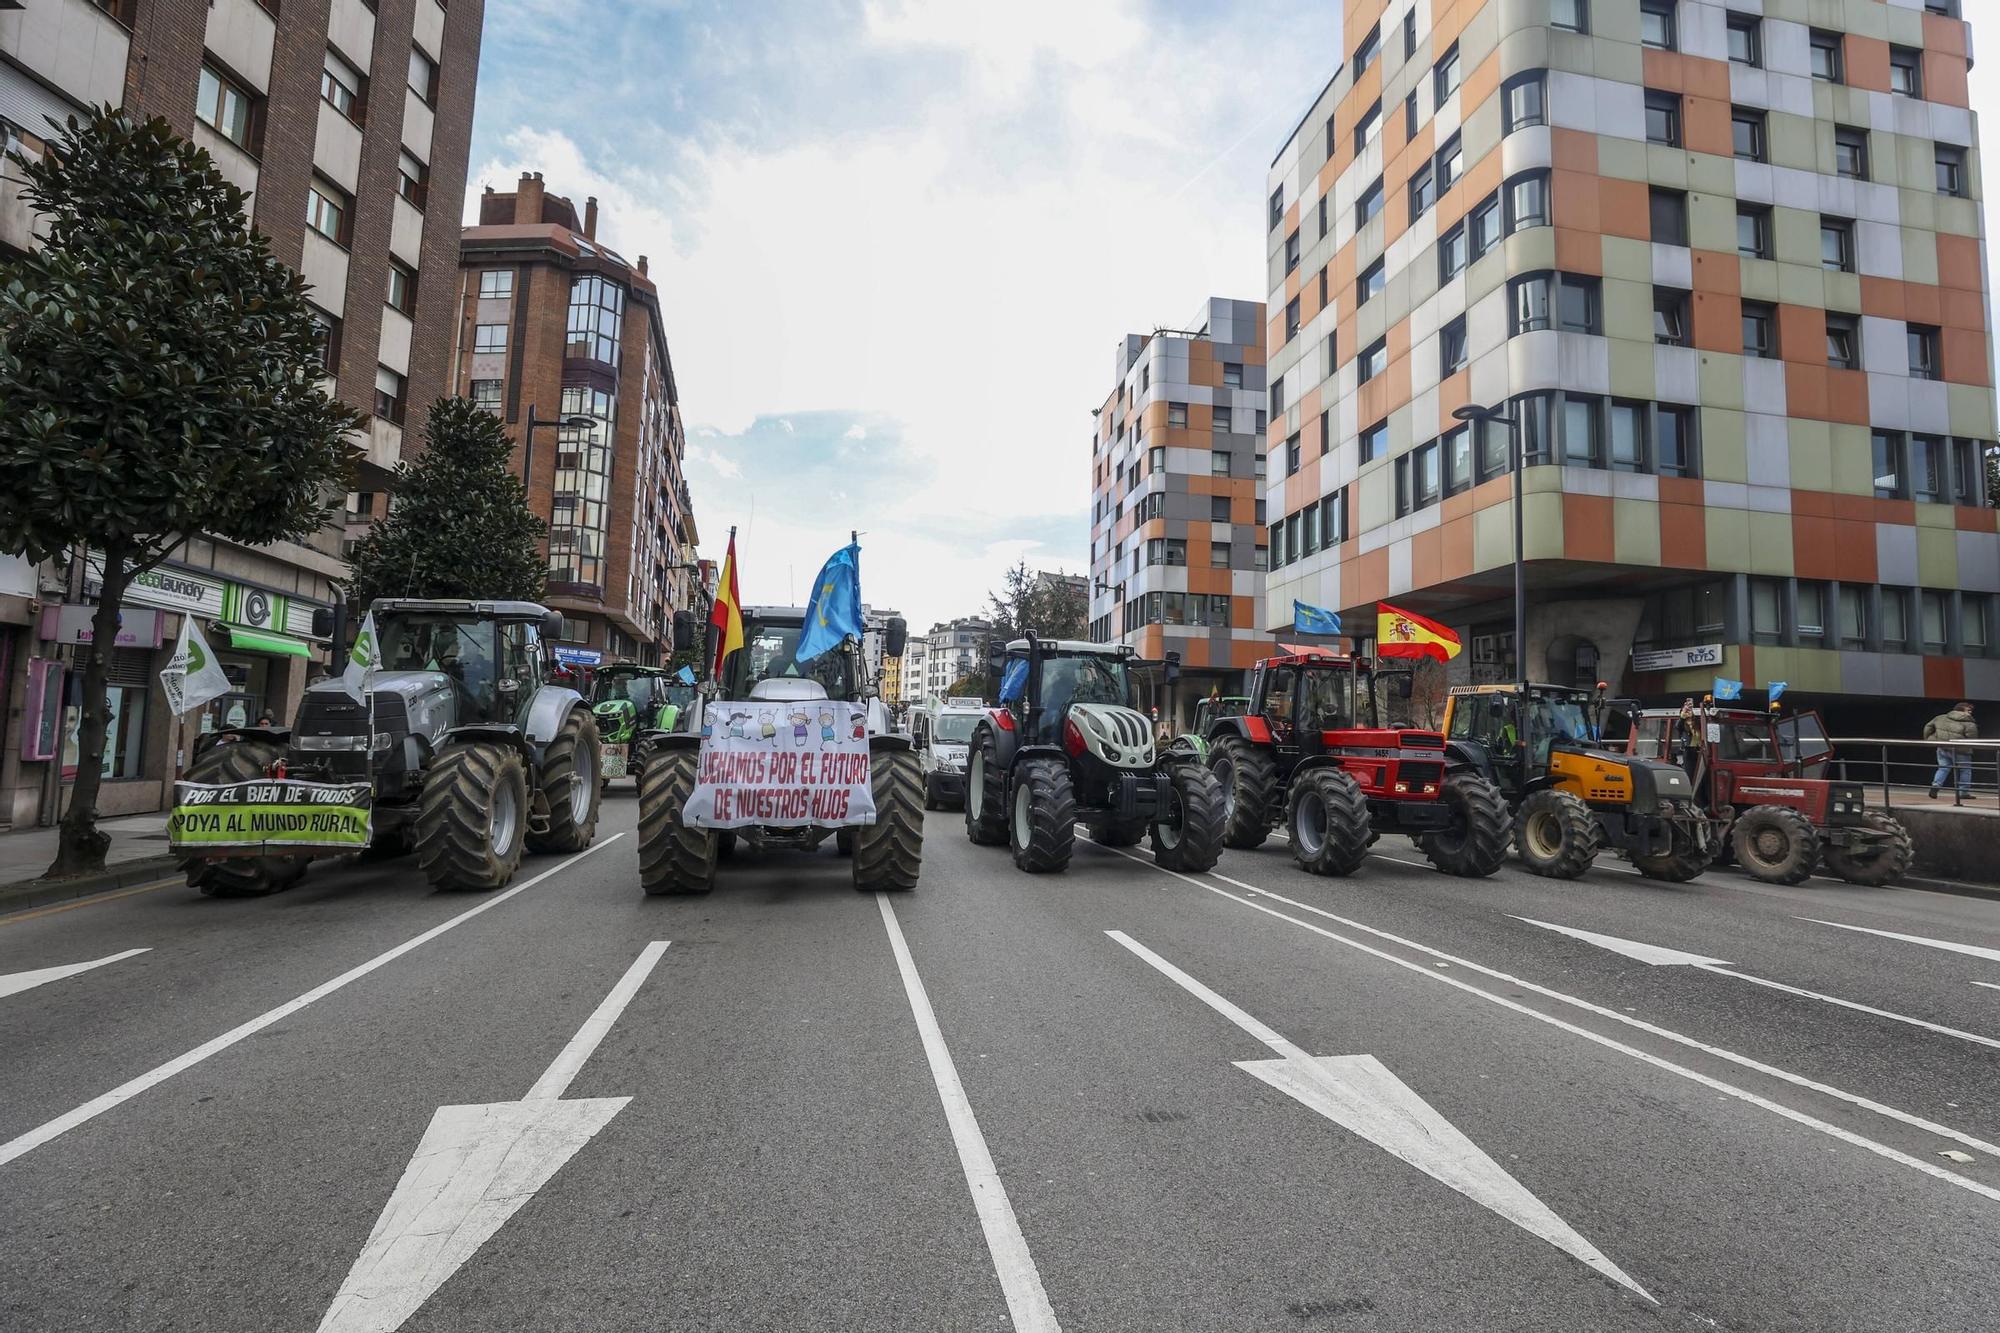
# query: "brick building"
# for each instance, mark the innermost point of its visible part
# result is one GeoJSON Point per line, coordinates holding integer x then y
{"type": "Point", "coordinates": [344, 120]}
{"type": "Point", "coordinates": [557, 328]}
{"type": "Point", "coordinates": [1176, 538]}
{"type": "Point", "coordinates": [1725, 269]}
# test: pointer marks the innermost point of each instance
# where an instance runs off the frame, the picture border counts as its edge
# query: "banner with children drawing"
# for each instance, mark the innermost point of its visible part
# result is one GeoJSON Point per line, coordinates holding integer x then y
{"type": "Point", "coordinates": [788, 764]}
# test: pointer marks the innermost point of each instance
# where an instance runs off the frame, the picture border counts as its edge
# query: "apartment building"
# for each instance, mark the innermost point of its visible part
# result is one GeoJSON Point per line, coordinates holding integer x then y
{"type": "Point", "coordinates": [563, 338]}
{"type": "Point", "coordinates": [348, 123]}
{"type": "Point", "coordinates": [1722, 264]}
{"type": "Point", "coordinates": [955, 649]}
{"type": "Point", "coordinates": [1177, 550]}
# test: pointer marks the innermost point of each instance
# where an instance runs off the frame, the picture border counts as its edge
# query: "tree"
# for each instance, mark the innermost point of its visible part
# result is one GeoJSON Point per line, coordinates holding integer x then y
{"type": "Point", "coordinates": [975, 686]}
{"type": "Point", "coordinates": [159, 378]}
{"type": "Point", "coordinates": [459, 524]}
{"type": "Point", "coordinates": [1993, 478]}
{"type": "Point", "coordinates": [1052, 606]}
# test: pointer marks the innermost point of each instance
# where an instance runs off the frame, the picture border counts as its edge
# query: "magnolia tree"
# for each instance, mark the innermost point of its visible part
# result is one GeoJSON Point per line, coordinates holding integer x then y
{"type": "Point", "coordinates": [160, 377]}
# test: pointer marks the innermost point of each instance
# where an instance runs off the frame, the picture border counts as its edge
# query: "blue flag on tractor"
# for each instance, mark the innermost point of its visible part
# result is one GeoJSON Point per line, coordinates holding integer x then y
{"type": "Point", "coordinates": [1313, 620]}
{"type": "Point", "coordinates": [834, 610]}
{"type": "Point", "coordinates": [1727, 689]}
{"type": "Point", "coordinates": [1778, 688]}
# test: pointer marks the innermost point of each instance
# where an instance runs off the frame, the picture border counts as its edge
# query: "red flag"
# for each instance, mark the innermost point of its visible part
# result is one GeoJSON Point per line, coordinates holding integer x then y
{"type": "Point", "coordinates": [1400, 633]}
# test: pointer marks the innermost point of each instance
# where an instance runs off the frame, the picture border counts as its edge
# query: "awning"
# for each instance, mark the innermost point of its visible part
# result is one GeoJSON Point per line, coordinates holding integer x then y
{"type": "Point", "coordinates": [259, 641]}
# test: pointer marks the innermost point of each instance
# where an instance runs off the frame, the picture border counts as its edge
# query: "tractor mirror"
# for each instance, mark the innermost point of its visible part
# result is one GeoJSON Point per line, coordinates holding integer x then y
{"type": "Point", "coordinates": [896, 637]}
{"type": "Point", "coordinates": [322, 622]}
{"type": "Point", "coordinates": [683, 631]}
{"type": "Point", "coordinates": [551, 625]}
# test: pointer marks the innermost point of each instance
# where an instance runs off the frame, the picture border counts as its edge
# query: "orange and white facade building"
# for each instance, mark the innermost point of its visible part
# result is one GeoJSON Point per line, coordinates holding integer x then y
{"type": "Point", "coordinates": [1723, 264]}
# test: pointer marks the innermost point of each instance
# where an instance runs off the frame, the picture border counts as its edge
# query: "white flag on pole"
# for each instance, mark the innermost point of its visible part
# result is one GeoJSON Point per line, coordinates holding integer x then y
{"type": "Point", "coordinates": [364, 661]}
{"type": "Point", "coordinates": [192, 676]}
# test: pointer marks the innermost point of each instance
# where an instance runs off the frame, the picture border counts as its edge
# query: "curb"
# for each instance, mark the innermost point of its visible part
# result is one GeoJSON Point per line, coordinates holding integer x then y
{"type": "Point", "coordinates": [1956, 887]}
{"type": "Point", "coordinates": [27, 893]}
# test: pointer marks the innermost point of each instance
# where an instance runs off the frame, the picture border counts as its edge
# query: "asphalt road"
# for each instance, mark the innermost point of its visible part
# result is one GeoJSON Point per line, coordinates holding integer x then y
{"type": "Point", "coordinates": [1111, 1099]}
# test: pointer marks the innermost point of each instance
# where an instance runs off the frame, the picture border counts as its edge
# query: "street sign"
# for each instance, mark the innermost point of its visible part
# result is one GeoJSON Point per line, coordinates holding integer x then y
{"type": "Point", "coordinates": [1675, 659]}
{"type": "Point", "coordinates": [578, 656]}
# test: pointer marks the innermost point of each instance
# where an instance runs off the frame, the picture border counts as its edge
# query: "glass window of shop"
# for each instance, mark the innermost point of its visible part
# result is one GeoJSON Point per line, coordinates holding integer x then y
{"type": "Point", "coordinates": [127, 686]}
{"type": "Point", "coordinates": [579, 521]}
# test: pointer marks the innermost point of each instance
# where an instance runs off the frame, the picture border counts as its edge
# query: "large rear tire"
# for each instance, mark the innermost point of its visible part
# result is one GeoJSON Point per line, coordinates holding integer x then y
{"type": "Point", "coordinates": [472, 818]}
{"type": "Point", "coordinates": [239, 876]}
{"type": "Point", "coordinates": [1685, 857]}
{"type": "Point", "coordinates": [1476, 843]}
{"type": "Point", "coordinates": [1188, 834]}
{"type": "Point", "coordinates": [1249, 778]}
{"type": "Point", "coordinates": [1878, 863]}
{"type": "Point", "coordinates": [1555, 835]}
{"type": "Point", "coordinates": [570, 785]}
{"type": "Point", "coordinates": [674, 858]}
{"type": "Point", "coordinates": [1041, 827]}
{"type": "Point", "coordinates": [1327, 819]}
{"type": "Point", "coordinates": [889, 854]}
{"type": "Point", "coordinates": [1775, 843]}
{"type": "Point", "coordinates": [985, 800]}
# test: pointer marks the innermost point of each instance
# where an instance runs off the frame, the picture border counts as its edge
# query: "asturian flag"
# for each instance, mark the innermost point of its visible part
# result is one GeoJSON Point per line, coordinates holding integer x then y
{"type": "Point", "coordinates": [1309, 619]}
{"type": "Point", "coordinates": [1400, 633]}
{"type": "Point", "coordinates": [363, 661]}
{"type": "Point", "coordinates": [192, 676]}
{"type": "Point", "coordinates": [834, 610]}
{"type": "Point", "coordinates": [1726, 689]}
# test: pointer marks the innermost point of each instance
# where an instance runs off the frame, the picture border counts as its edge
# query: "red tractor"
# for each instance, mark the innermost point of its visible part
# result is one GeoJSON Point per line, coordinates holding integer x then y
{"type": "Point", "coordinates": [1765, 776]}
{"type": "Point", "coordinates": [1315, 746]}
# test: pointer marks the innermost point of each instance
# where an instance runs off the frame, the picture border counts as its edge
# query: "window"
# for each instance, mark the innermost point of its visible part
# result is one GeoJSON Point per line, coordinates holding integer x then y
{"type": "Point", "coordinates": [326, 211]}
{"type": "Point", "coordinates": [1156, 459]}
{"type": "Point", "coordinates": [1951, 170]}
{"type": "Point", "coordinates": [1974, 634]}
{"type": "Point", "coordinates": [1325, 434]}
{"type": "Point", "coordinates": [1670, 317]}
{"type": "Point", "coordinates": [1369, 204]}
{"type": "Point", "coordinates": [1275, 535]}
{"type": "Point", "coordinates": [1674, 443]}
{"type": "Point", "coordinates": [1746, 40]}
{"type": "Point", "coordinates": [389, 391]}
{"type": "Point", "coordinates": [1853, 616]}
{"type": "Point", "coordinates": [1836, 244]}
{"type": "Point", "coordinates": [1368, 126]}
{"type": "Point", "coordinates": [1968, 485]}
{"type": "Point", "coordinates": [596, 317]}
{"type": "Point", "coordinates": [1809, 599]}
{"type": "Point", "coordinates": [1530, 303]}
{"type": "Point", "coordinates": [1528, 201]}
{"type": "Point", "coordinates": [1232, 375]}
{"type": "Point", "coordinates": [1450, 164]}
{"type": "Point", "coordinates": [1843, 342]}
{"type": "Point", "coordinates": [1827, 61]}
{"type": "Point", "coordinates": [1923, 340]}
{"type": "Point", "coordinates": [328, 328]}
{"type": "Point", "coordinates": [1292, 318]}
{"type": "Point", "coordinates": [1445, 75]}
{"type": "Point", "coordinates": [402, 288]}
{"type": "Point", "coordinates": [1942, 8]}
{"type": "Point", "coordinates": [1888, 454]}
{"type": "Point", "coordinates": [1221, 420]}
{"type": "Point", "coordinates": [1322, 215]}
{"type": "Point", "coordinates": [1760, 330]}
{"type": "Point", "coordinates": [1753, 231]}
{"type": "Point", "coordinates": [1451, 347]}
{"type": "Point", "coordinates": [1767, 621]}
{"type": "Point", "coordinates": [1218, 555]}
{"type": "Point", "coordinates": [1663, 118]}
{"type": "Point", "coordinates": [1850, 152]}
{"type": "Point", "coordinates": [1372, 361]}
{"type": "Point", "coordinates": [1218, 463]}
{"type": "Point", "coordinates": [1374, 441]}
{"type": "Point", "coordinates": [1423, 191]}
{"type": "Point", "coordinates": [1451, 253]}
{"type": "Point", "coordinates": [1577, 305]}
{"type": "Point", "coordinates": [1628, 436]}
{"type": "Point", "coordinates": [1485, 225]}
{"type": "Point", "coordinates": [1669, 210]}
{"type": "Point", "coordinates": [1746, 133]}
{"type": "Point", "coordinates": [1455, 448]}
{"type": "Point", "coordinates": [1895, 618]}
{"type": "Point", "coordinates": [1372, 279]}
{"type": "Point", "coordinates": [1333, 518]}
{"type": "Point", "coordinates": [1277, 206]}
{"type": "Point", "coordinates": [1656, 24]}
{"type": "Point", "coordinates": [1570, 15]}
{"type": "Point", "coordinates": [413, 178]}
{"type": "Point", "coordinates": [224, 107]}
{"type": "Point", "coordinates": [1218, 508]}
{"type": "Point", "coordinates": [489, 338]}
{"type": "Point", "coordinates": [1277, 402]}
{"type": "Point", "coordinates": [496, 282]}
{"type": "Point", "coordinates": [486, 394]}
{"type": "Point", "coordinates": [1906, 71]}
{"type": "Point", "coordinates": [1492, 450]}
{"type": "Point", "coordinates": [1931, 607]}
{"type": "Point", "coordinates": [340, 86]}
{"type": "Point", "coordinates": [1409, 32]}
{"type": "Point", "coordinates": [1929, 480]}
{"type": "Point", "coordinates": [1177, 414]}
{"type": "Point", "coordinates": [423, 75]}
{"type": "Point", "coordinates": [1371, 47]}
{"type": "Point", "coordinates": [1410, 116]}
{"type": "Point", "coordinates": [1582, 445]}
{"type": "Point", "coordinates": [1526, 100]}
{"type": "Point", "coordinates": [1292, 455]}
{"type": "Point", "coordinates": [1291, 252]}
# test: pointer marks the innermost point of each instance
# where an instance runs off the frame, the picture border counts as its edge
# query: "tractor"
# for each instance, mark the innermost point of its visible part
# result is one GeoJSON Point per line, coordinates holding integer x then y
{"type": "Point", "coordinates": [628, 700]}
{"type": "Point", "coordinates": [471, 756]}
{"type": "Point", "coordinates": [1066, 745]}
{"type": "Point", "coordinates": [1571, 794]}
{"type": "Point", "coordinates": [1207, 712]}
{"type": "Point", "coordinates": [677, 857]}
{"type": "Point", "coordinates": [1315, 747]}
{"type": "Point", "coordinates": [1763, 778]}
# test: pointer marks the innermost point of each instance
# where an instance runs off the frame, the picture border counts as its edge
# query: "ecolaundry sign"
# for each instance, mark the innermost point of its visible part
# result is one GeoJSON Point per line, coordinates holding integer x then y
{"type": "Point", "coordinates": [791, 763]}
{"type": "Point", "coordinates": [270, 814]}
{"type": "Point", "coordinates": [1675, 659]}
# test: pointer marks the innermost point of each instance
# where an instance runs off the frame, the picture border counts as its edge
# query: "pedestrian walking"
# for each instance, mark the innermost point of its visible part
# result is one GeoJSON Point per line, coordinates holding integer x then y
{"type": "Point", "coordinates": [1954, 762]}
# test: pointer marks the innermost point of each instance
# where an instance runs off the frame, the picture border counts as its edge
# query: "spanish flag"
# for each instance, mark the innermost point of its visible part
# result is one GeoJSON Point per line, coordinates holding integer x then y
{"type": "Point", "coordinates": [1400, 633]}
{"type": "Point", "coordinates": [725, 620]}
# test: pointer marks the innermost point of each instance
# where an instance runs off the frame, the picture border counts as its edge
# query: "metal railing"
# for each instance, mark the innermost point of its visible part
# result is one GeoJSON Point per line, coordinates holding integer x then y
{"type": "Point", "coordinates": [1912, 766]}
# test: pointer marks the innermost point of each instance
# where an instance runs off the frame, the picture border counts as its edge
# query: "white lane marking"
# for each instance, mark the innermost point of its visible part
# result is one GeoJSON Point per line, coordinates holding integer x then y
{"type": "Point", "coordinates": [1990, 985]}
{"type": "Point", "coordinates": [1969, 950]}
{"type": "Point", "coordinates": [124, 1092]}
{"type": "Point", "coordinates": [1027, 1303]}
{"type": "Point", "coordinates": [15, 983]}
{"type": "Point", "coordinates": [1659, 956]}
{"type": "Point", "coordinates": [473, 1170]}
{"type": "Point", "coordinates": [1358, 1093]}
{"type": "Point", "coordinates": [1612, 1043]}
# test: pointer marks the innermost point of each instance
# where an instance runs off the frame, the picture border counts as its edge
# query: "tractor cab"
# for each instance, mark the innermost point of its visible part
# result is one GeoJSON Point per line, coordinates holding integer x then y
{"type": "Point", "coordinates": [1722, 747]}
{"type": "Point", "coordinates": [1518, 737]}
{"type": "Point", "coordinates": [1312, 703]}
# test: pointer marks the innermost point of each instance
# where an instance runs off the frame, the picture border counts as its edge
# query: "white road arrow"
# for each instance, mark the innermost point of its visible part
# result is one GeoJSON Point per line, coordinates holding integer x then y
{"type": "Point", "coordinates": [1358, 1093]}
{"type": "Point", "coordinates": [1658, 957]}
{"type": "Point", "coordinates": [17, 982]}
{"type": "Point", "coordinates": [1969, 950]}
{"type": "Point", "coordinates": [474, 1169]}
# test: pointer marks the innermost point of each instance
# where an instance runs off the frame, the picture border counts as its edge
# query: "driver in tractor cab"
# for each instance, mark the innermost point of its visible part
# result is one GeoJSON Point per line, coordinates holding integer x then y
{"type": "Point", "coordinates": [1325, 702]}
{"type": "Point", "coordinates": [1278, 711]}
{"type": "Point", "coordinates": [1507, 730]}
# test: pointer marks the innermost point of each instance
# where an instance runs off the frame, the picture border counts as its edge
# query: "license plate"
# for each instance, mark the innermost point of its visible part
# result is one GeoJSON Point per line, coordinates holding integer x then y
{"type": "Point", "coordinates": [614, 761]}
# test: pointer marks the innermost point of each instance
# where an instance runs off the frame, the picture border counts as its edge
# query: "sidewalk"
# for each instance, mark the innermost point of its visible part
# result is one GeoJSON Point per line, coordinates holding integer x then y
{"type": "Point", "coordinates": [138, 847]}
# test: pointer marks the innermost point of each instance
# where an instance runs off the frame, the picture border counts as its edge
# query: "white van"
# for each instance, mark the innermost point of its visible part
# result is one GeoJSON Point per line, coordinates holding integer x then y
{"type": "Point", "coordinates": [940, 732]}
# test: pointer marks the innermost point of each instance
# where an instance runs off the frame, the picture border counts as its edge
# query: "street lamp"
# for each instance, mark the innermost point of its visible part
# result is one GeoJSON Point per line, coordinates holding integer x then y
{"type": "Point", "coordinates": [1494, 416]}
{"type": "Point", "coordinates": [528, 435]}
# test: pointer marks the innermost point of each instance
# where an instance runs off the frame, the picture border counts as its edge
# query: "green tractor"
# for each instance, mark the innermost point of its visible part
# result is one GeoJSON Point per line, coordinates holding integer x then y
{"type": "Point", "coordinates": [628, 701]}
{"type": "Point", "coordinates": [1206, 714]}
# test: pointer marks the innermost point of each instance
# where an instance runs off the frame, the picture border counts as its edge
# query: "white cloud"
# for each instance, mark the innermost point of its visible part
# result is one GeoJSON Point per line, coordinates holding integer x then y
{"type": "Point", "coordinates": [855, 432]}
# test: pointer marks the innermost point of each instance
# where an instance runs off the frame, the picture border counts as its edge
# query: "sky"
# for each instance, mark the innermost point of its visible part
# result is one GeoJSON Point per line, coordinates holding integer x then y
{"type": "Point", "coordinates": [898, 241]}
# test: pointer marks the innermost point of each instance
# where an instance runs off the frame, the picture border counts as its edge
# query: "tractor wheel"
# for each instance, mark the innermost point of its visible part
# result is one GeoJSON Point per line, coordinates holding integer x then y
{"type": "Point", "coordinates": [1555, 835]}
{"type": "Point", "coordinates": [889, 852]}
{"type": "Point", "coordinates": [1476, 843]}
{"type": "Point", "coordinates": [570, 785]}
{"type": "Point", "coordinates": [472, 816]}
{"type": "Point", "coordinates": [674, 858]}
{"type": "Point", "coordinates": [1685, 857]}
{"type": "Point", "coordinates": [1775, 844]}
{"type": "Point", "coordinates": [1041, 828]}
{"type": "Point", "coordinates": [1118, 833]}
{"type": "Point", "coordinates": [1188, 835]}
{"type": "Point", "coordinates": [239, 876]}
{"type": "Point", "coordinates": [1875, 864]}
{"type": "Point", "coordinates": [1328, 822]}
{"type": "Point", "coordinates": [985, 808]}
{"type": "Point", "coordinates": [1249, 781]}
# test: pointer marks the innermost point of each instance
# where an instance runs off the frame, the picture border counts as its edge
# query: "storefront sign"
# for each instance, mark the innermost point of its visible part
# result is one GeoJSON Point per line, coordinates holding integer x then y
{"type": "Point", "coordinates": [270, 815]}
{"type": "Point", "coordinates": [578, 656]}
{"type": "Point", "coordinates": [253, 608]}
{"type": "Point", "coordinates": [71, 623]}
{"type": "Point", "coordinates": [173, 589]}
{"type": "Point", "coordinates": [789, 764]}
{"type": "Point", "coordinates": [1675, 659]}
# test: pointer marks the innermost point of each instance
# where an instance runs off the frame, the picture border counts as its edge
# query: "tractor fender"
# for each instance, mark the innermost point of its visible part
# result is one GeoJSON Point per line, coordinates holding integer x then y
{"type": "Point", "coordinates": [886, 741]}
{"type": "Point", "coordinates": [668, 740]}
{"type": "Point", "coordinates": [1006, 740]}
{"type": "Point", "coordinates": [1468, 754]}
{"type": "Point", "coordinates": [493, 733]}
{"type": "Point", "coordinates": [547, 712]}
{"type": "Point", "coordinates": [1251, 727]}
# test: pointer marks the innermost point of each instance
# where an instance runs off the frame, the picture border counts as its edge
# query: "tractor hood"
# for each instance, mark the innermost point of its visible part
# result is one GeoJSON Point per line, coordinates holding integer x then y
{"type": "Point", "coordinates": [419, 702]}
{"type": "Point", "coordinates": [1121, 737]}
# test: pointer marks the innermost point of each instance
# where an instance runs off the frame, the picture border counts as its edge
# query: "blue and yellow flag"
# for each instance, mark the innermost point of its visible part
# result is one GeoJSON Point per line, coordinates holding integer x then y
{"type": "Point", "coordinates": [1313, 619]}
{"type": "Point", "coordinates": [1726, 689]}
{"type": "Point", "coordinates": [834, 610]}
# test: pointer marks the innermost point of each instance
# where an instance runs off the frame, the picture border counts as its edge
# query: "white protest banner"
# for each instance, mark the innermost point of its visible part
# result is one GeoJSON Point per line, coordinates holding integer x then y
{"type": "Point", "coordinates": [785, 764]}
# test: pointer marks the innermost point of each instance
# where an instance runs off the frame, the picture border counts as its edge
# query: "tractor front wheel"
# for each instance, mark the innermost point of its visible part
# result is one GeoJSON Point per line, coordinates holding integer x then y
{"type": "Point", "coordinates": [1555, 835]}
{"type": "Point", "coordinates": [985, 800]}
{"type": "Point", "coordinates": [1882, 861]}
{"type": "Point", "coordinates": [1041, 828]}
{"type": "Point", "coordinates": [1476, 843]}
{"type": "Point", "coordinates": [1187, 834]}
{"type": "Point", "coordinates": [889, 853]}
{"type": "Point", "coordinates": [1328, 822]}
{"type": "Point", "coordinates": [1249, 781]}
{"type": "Point", "coordinates": [570, 785]}
{"type": "Point", "coordinates": [1775, 844]}
{"type": "Point", "coordinates": [239, 876]}
{"type": "Point", "coordinates": [472, 818]}
{"type": "Point", "coordinates": [674, 857]}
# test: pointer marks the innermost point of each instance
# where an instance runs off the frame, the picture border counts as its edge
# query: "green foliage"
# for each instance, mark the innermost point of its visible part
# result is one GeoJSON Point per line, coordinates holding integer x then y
{"type": "Point", "coordinates": [459, 525]}
{"type": "Point", "coordinates": [975, 686]}
{"type": "Point", "coordinates": [1993, 478]}
{"type": "Point", "coordinates": [1052, 608]}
